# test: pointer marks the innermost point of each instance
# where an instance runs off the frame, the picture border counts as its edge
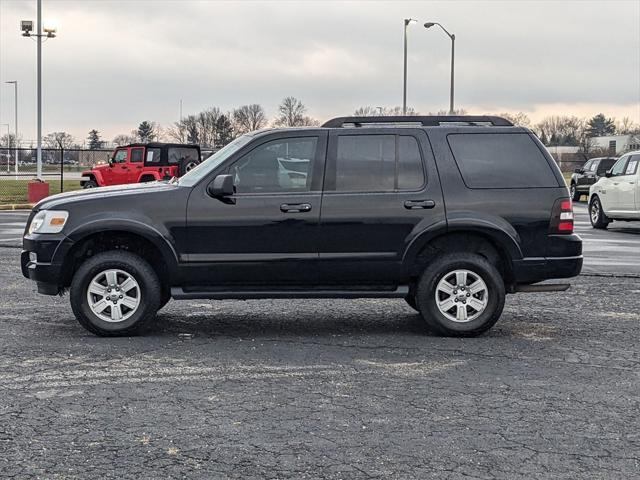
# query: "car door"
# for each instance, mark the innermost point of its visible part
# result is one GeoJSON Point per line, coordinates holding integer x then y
{"type": "Point", "coordinates": [628, 185]}
{"type": "Point", "coordinates": [380, 184]}
{"type": "Point", "coordinates": [610, 187]}
{"type": "Point", "coordinates": [266, 233]}
{"type": "Point", "coordinates": [587, 177]}
{"type": "Point", "coordinates": [119, 171]}
{"type": "Point", "coordinates": [136, 162]}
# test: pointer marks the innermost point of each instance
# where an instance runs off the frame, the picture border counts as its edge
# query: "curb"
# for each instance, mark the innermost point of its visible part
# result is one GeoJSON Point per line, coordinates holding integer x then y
{"type": "Point", "coordinates": [17, 206]}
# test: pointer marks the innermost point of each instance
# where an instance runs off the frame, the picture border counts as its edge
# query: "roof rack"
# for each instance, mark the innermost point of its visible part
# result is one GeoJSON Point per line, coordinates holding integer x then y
{"type": "Point", "coordinates": [425, 121]}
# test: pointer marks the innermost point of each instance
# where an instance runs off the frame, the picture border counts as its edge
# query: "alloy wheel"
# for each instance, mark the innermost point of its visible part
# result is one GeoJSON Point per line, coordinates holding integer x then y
{"type": "Point", "coordinates": [461, 296]}
{"type": "Point", "coordinates": [113, 295]}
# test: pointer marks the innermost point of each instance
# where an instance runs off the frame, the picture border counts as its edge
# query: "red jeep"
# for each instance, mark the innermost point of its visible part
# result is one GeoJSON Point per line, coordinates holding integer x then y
{"type": "Point", "coordinates": [143, 162]}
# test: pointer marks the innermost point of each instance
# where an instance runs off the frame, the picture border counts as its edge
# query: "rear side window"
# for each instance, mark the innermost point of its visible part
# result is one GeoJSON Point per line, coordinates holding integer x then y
{"type": "Point", "coordinates": [153, 156]}
{"type": "Point", "coordinates": [605, 165]}
{"type": "Point", "coordinates": [182, 154]}
{"type": "Point", "coordinates": [494, 160]}
{"type": "Point", "coordinates": [378, 163]}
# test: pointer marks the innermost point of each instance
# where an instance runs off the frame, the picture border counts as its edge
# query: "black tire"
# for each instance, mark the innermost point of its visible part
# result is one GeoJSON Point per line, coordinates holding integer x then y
{"type": "Point", "coordinates": [479, 267]}
{"type": "Point", "coordinates": [90, 184]}
{"type": "Point", "coordinates": [187, 165]}
{"type": "Point", "coordinates": [148, 284]}
{"type": "Point", "coordinates": [597, 217]}
{"type": "Point", "coordinates": [575, 194]}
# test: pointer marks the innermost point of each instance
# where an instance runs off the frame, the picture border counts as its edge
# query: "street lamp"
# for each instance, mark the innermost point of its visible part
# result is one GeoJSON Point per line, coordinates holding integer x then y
{"type": "Point", "coordinates": [8, 143]}
{"type": "Point", "coordinates": [15, 95]}
{"type": "Point", "coordinates": [49, 32]}
{"type": "Point", "coordinates": [407, 21]}
{"type": "Point", "coordinates": [453, 49]}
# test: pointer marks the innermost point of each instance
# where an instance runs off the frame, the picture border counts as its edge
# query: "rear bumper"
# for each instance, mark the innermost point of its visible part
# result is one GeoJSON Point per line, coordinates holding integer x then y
{"type": "Point", "coordinates": [531, 270]}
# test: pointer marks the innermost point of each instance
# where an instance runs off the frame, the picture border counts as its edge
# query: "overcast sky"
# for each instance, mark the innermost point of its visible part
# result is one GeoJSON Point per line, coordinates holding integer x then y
{"type": "Point", "coordinates": [116, 63]}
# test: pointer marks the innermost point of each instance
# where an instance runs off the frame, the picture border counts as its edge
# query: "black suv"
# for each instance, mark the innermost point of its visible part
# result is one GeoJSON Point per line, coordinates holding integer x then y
{"type": "Point", "coordinates": [585, 176]}
{"type": "Point", "coordinates": [434, 210]}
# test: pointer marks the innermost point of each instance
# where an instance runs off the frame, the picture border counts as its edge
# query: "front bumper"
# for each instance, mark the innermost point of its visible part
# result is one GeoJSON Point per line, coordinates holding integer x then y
{"type": "Point", "coordinates": [46, 269]}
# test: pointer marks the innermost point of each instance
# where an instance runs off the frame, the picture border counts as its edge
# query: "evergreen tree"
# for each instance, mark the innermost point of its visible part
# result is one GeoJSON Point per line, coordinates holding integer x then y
{"type": "Point", "coordinates": [146, 132]}
{"type": "Point", "coordinates": [601, 126]}
{"type": "Point", "coordinates": [94, 140]}
{"type": "Point", "coordinates": [224, 131]}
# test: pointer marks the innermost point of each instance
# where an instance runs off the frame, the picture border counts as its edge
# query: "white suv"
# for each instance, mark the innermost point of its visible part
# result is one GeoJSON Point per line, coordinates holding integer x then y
{"type": "Point", "coordinates": [616, 196]}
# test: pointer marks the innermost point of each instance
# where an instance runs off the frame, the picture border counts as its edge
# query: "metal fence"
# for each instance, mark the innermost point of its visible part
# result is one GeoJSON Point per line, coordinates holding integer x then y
{"type": "Point", "coordinates": [61, 169]}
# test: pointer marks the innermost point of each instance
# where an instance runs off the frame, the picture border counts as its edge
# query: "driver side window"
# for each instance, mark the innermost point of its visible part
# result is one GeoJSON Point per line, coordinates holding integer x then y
{"type": "Point", "coordinates": [279, 166]}
{"type": "Point", "coordinates": [619, 167]}
{"type": "Point", "coordinates": [120, 156]}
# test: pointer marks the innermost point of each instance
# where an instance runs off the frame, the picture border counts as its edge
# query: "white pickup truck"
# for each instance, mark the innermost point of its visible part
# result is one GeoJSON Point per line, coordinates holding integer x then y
{"type": "Point", "coordinates": [616, 196]}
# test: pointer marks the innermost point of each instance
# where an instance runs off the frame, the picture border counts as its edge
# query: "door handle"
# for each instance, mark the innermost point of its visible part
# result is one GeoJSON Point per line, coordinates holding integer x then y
{"type": "Point", "coordinates": [295, 207]}
{"type": "Point", "coordinates": [615, 183]}
{"type": "Point", "coordinates": [414, 204]}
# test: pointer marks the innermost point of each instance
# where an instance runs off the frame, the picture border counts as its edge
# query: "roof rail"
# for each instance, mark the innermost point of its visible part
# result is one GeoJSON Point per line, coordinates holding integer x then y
{"type": "Point", "coordinates": [425, 121]}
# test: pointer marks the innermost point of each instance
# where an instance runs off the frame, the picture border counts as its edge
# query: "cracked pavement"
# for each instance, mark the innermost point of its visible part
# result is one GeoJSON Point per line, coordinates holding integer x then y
{"type": "Point", "coordinates": [322, 389]}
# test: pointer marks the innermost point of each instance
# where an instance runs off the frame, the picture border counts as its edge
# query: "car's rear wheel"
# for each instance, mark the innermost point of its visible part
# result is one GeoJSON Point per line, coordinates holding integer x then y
{"type": "Point", "coordinates": [461, 294]}
{"type": "Point", "coordinates": [575, 194]}
{"type": "Point", "coordinates": [596, 214]}
{"type": "Point", "coordinates": [90, 184]}
{"type": "Point", "coordinates": [115, 293]}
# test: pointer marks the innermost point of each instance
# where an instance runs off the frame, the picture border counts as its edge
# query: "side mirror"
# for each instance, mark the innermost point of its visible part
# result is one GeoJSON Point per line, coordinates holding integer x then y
{"type": "Point", "coordinates": [222, 186]}
{"type": "Point", "coordinates": [579, 170]}
{"type": "Point", "coordinates": [608, 174]}
{"type": "Point", "coordinates": [111, 161]}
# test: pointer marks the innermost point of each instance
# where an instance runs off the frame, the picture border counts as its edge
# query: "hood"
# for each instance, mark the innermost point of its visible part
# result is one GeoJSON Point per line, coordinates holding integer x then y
{"type": "Point", "coordinates": [59, 200]}
{"type": "Point", "coordinates": [101, 166]}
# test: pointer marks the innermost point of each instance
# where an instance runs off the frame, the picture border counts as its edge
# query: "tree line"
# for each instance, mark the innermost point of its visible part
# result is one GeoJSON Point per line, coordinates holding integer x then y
{"type": "Point", "coordinates": [214, 128]}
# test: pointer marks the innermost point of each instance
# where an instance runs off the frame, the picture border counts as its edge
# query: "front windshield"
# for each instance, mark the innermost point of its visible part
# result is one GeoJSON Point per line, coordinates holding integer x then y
{"type": "Point", "coordinates": [195, 174]}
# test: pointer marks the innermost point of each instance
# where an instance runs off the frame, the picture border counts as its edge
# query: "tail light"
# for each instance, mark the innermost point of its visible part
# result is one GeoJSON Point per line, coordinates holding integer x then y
{"type": "Point", "coordinates": [562, 217]}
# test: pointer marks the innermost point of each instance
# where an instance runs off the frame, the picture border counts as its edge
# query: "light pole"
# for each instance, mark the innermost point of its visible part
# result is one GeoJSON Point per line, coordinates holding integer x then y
{"type": "Point", "coordinates": [8, 143]}
{"type": "Point", "coordinates": [407, 21]}
{"type": "Point", "coordinates": [15, 95]}
{"type": "Point", "coordinates": [49, 32]}
{"type": "Point", "coordinates": [453, 50]}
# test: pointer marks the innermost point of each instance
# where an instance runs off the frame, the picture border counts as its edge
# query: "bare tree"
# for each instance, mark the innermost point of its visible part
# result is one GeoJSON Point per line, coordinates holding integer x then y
{"type": "Point", "coordinates": [58, 140]}
{"type": "Point", "coordinates": [248, 118]}
{"type": "Point", "coordinates": [369, 111]}
{"type": "Point", "coordinates": [9, 140]}
{"type": "Point", "coordinates": [123, 139]}
{"type": "Point", "coordinates": [519, 119]}
{"type": "Point", "coordinates": [626, 126]}
{"type": "Point", "coordinates": [292, 114]}
{"type": "Point", "coordinates": [563, 130]}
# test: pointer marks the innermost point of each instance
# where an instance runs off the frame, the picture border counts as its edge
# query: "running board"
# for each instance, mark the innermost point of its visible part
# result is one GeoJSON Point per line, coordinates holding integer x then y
{"type": "Point", "coordinates": [545, 287]}
{"type": "Point", "coordinates": [179, 293]}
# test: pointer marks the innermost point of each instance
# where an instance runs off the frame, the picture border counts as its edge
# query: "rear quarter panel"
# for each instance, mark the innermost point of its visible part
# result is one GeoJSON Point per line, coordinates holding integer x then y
{"type": "Point", "coordinates": [522, 214]}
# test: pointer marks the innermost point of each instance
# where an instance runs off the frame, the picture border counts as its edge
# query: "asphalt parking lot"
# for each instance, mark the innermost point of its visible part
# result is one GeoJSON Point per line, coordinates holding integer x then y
{"type": "Point", "coordinates": [323, 389]}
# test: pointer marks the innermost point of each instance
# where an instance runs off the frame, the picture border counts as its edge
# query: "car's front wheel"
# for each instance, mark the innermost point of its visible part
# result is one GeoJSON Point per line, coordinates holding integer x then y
{"type": "Point", "coordinates": [90, 184]}
{"type": "Point", "coordinates": [596, 214]}
{"type": "Point", "coordinates": [461, 294]}
{"type": "Point", "coordinates": [115, 293]}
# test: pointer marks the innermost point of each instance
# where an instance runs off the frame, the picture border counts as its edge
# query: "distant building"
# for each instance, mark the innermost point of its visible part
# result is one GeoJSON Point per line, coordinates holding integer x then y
{"type": "Point", "coordinates": [616, 144]}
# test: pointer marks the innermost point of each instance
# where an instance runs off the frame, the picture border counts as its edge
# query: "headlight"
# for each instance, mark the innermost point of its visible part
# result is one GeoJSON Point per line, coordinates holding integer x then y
{"type": "Point", "coordinates": [48, 221]}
